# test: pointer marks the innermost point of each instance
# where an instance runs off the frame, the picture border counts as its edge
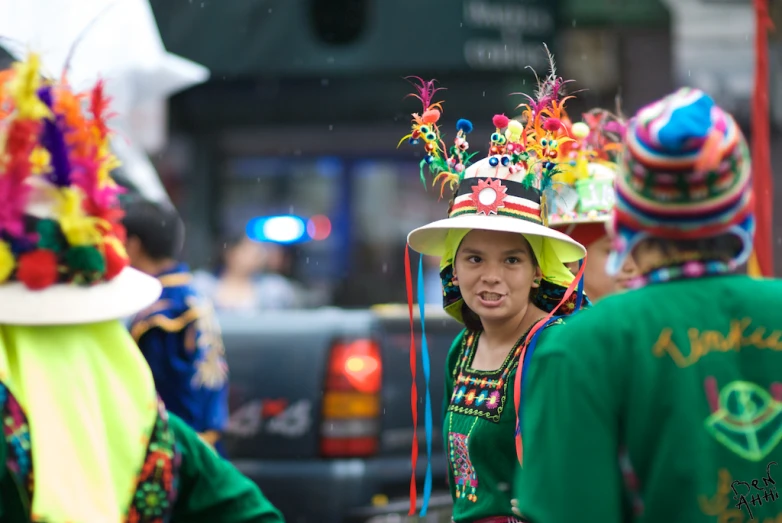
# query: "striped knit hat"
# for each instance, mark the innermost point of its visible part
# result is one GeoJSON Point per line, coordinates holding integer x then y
{"type": "Point", "coordinates": [684, 175]}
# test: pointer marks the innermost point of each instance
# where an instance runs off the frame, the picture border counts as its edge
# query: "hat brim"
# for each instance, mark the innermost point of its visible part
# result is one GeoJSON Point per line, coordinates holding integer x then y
{"type": "Point", "coordinates": [430, 239]}
{"type": "Point", "coordinates": [579, 221]}
{"type": "Point", "coordinates": [65, 304]}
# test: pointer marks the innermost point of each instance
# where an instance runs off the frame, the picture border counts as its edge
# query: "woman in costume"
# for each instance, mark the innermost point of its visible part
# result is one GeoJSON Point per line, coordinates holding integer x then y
{"type": "Point", "coordinates": [86, 438]}
{"type": "Point", "coordinates": [582, 198]}
{"type": "Point", "coordinates": [503, 277]}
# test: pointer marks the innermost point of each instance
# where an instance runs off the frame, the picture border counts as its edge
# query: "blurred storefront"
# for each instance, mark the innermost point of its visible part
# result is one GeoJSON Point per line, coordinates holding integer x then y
{"type": "Point", "coordinates": [304, 111]}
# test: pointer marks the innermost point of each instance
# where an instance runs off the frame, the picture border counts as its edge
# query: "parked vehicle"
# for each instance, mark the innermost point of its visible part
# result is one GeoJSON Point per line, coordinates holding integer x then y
{"type": "Point", "coordinates": [321, 409]}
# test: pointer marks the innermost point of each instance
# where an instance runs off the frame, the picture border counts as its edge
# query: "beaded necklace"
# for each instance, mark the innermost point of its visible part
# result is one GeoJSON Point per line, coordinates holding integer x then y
{"type": "Point", "coordinates": [684, 270]}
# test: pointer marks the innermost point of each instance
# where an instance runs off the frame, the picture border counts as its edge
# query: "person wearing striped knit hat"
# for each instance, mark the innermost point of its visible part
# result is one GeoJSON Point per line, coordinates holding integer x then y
{"type": "Point", "coordinates": [682, 377]}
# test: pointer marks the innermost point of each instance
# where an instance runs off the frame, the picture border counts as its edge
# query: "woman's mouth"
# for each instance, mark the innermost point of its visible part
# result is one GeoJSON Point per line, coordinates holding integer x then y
{"type": "Point", "coordinates": [491, 299]}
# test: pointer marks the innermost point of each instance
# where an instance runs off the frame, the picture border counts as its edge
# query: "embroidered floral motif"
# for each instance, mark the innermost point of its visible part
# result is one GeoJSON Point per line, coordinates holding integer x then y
{"type": "Point", "coordinates": [482, 393]}
{"type": "Point", "coordinates": [17, 439]}
{"type": "Point", "coordinates": [156, 491]}
{"type": "Point", "coordinates": [465, 479]}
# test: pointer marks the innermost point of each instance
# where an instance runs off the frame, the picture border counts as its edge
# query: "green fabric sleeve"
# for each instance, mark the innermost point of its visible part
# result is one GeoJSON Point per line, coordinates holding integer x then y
{"type": "Point", "coordinates": [450, 365]}
{"type": "Point", "coordinates": [212, 490]}
{"type": "Point", "coordinates": [569, 437]}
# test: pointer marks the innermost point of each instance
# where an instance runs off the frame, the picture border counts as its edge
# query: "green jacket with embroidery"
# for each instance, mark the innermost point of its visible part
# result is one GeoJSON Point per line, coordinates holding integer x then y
{"type": "Point", "coordinates": [210, 489]}
{"type": "Point", "coordinates": [661, 405]}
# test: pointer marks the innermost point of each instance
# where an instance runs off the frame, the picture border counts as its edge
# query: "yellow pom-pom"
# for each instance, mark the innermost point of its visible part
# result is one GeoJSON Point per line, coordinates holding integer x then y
{"type": "Point", "coordinates": [580, 130]}
{"type": "Point", "coordinates": [7, 262]}
{"type": "Point", "coordinates": [514, 130]}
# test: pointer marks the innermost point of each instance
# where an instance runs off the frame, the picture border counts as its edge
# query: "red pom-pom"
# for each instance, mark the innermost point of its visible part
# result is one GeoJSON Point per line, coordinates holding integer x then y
{"type": "Point", "coordinates": [552, 124]}
{"type": "Point", "coordinates": [115, 261]}
{"type": "Point", "coordinates": [500, 121]}
{"type": "Point", "coordinates": [431, 116]}
{"type": "Point", "coordinates": [37, 269]}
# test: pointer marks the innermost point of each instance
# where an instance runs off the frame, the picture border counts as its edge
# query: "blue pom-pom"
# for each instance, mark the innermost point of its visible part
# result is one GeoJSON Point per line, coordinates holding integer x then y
{"type": "Point", "coordinates": [494, 161]}
{"type": "Point", "coordinates": [464, 125]}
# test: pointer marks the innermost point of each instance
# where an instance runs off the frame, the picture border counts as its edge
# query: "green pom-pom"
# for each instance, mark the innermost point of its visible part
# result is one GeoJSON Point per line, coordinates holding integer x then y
{"type": "Point", "coordinates": [86, 264]}
{"type": "Point", "coordinates": [50, 236]}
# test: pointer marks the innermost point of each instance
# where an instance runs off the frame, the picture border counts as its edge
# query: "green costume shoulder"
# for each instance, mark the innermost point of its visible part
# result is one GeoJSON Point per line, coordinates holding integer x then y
{"type": "Point", "coordinates": [212, 490]}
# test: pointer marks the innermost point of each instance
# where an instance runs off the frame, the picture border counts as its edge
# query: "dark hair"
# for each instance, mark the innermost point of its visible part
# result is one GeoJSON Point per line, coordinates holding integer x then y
{"type": "Point", "coordinates": [158, 227]}
{"type": "Point", "coordinates": [723, 247]}
{"type": "Point", "coordinates": [471, 319]}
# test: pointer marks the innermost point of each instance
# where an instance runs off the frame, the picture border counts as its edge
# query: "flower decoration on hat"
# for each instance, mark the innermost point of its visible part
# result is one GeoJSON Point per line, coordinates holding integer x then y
{"type": "Point", "coordinates": [446, 164]}
{"type": "Point", "coordinates": [59, 209]}
{"type": "Point", "coordinates": [524, 153]}
{"type": "Point", "coordinates": [585, 180]}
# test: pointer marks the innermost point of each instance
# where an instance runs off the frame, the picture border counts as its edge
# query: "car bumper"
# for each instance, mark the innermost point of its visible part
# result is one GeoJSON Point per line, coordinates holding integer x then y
{"type": "Point", "coordinates": [340, 491]}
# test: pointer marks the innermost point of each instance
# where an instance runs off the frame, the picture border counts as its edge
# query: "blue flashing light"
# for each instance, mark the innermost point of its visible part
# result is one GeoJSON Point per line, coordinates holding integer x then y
{"type": "Point", "coordinates": [285, 229]}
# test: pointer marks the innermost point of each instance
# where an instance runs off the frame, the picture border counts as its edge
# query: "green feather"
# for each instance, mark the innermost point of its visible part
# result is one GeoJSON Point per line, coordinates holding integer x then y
{"type": "Point", "coordinates": [466, 161]}
{"type": "Point", "coordinates": [529, 180]}
{"type": "Point", "coordinates": [422, 166]}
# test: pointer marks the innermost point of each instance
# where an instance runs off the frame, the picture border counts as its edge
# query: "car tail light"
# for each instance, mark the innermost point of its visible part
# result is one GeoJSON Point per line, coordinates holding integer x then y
{"type": "Point", "coordinates": [351, 400]}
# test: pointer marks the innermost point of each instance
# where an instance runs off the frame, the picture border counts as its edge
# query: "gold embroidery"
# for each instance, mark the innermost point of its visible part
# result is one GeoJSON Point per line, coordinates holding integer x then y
{"type": "Point", "coordinates": [703, 343]}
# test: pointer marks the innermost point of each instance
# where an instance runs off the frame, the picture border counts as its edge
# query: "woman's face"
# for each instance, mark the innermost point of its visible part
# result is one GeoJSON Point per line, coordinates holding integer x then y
{"type": "Point", "coordinates": [597, 282]}
{"type": "Point", "coordinates": [495, 272]}
{"type": "Point", "coordinates": [246, 257]}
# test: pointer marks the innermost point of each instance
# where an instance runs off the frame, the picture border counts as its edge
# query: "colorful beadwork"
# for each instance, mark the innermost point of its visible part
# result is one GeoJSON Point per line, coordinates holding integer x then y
{"type": "Point", "coordinates": [686, 270]}
{"type": "Point", "coordinates": [156, 491]}
{"type": "Point", "coordinates": [465, 479]}
{"type": "Point", "coordinates": [482, 393]}
{"type": "Point", "coordinates": [17, 439]}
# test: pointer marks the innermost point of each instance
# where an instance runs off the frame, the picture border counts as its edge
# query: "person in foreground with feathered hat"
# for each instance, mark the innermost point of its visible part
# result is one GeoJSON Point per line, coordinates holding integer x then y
{"type": "Point", "coordinates": [681, 377]}
{"type": "Point", "coordinates": [86, 438]}
{"type": "Point", "coordinates": [504, 278]}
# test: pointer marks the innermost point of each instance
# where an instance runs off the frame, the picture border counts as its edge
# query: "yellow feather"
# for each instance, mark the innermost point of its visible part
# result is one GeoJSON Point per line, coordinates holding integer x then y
{"type": "Point", "coordinates": [24, 90]}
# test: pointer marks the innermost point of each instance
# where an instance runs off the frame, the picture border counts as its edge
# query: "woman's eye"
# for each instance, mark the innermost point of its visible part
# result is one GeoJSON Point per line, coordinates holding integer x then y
{"type": "Point", "coordinates": [513, 259]}
{"type": "Point", "coordinates": [474, 259]}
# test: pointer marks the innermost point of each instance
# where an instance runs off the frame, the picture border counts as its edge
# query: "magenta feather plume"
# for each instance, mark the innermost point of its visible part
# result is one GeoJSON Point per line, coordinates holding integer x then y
{"type": "Point", "coordinates": [425, 89]}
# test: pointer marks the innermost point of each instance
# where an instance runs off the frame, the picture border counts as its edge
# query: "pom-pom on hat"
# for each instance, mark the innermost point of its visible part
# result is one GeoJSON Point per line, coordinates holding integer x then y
{"type": "Point", "coordinates": [62, 258]}
{"type": "Point", "coordinates": [685, 174]}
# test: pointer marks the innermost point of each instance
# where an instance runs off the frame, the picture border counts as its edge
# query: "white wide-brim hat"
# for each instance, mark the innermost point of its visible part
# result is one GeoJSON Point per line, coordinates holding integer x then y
{"type": "Point", "coordinates": [430, 239]}
{"type": "Point", "coordinates": [68, 304]}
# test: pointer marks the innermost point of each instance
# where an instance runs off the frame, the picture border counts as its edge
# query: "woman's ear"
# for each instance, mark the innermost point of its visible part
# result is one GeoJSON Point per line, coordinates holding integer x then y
{"type": "Point", "coordinates": [536, 278]}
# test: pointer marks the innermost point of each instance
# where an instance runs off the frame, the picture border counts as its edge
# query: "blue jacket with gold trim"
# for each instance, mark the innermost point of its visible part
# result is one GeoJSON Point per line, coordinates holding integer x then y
{"type": "Point", "coordinates": [181, 340]}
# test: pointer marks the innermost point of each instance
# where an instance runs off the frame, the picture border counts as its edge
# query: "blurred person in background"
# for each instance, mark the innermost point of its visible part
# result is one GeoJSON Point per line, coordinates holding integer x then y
{"type": "Point", "coordinates": [584, 199]}
{"type": "Point", "coordinates": [86, 437]}
{"type": "Point", "coordinates": [433, 283]}
{"type": "Point", "coordinates": [680, 377]}
{"type": "Point", "coordinates": [178, 335]}
{"type": "Point", "coordinates": [243, 282]}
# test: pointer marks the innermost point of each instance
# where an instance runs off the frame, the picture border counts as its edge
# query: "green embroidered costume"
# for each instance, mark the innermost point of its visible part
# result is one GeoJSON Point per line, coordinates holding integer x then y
{"type": "Point", "coordinates": [478, 429]}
